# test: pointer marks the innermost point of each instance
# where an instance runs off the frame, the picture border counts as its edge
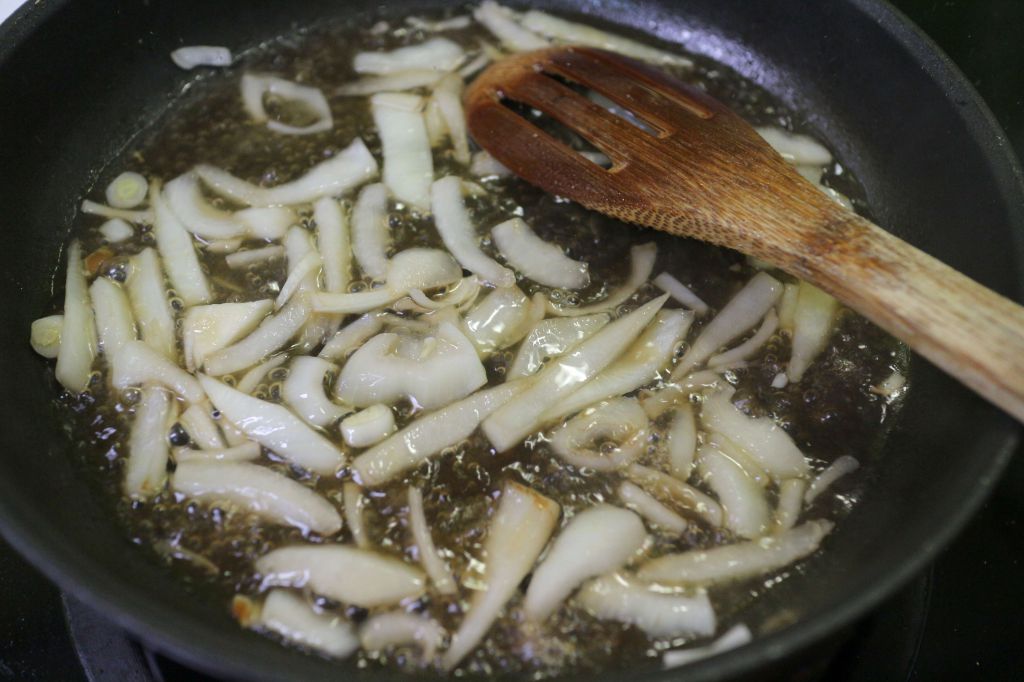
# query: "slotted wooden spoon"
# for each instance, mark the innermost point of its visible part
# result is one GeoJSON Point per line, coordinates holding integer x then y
{"type": "Point", "coordinates": [705, 173]}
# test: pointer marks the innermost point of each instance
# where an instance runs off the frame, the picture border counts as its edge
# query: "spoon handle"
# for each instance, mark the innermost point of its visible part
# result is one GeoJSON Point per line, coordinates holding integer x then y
{"type": "Point", "coordinates": [964, 328]}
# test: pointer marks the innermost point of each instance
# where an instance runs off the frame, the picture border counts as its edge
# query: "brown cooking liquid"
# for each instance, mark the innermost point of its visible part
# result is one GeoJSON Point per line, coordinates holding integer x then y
{"type": "Point", "coordinates": [829, 414]}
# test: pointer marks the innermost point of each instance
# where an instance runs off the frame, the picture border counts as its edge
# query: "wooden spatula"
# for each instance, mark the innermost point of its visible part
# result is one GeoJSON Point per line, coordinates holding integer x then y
{"type": "Point", "coordinates": [703, 172]}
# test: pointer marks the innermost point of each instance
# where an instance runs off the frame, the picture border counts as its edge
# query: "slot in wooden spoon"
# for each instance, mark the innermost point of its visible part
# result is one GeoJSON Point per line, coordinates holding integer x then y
{"type": "Point", "coordinates": [701, 171]}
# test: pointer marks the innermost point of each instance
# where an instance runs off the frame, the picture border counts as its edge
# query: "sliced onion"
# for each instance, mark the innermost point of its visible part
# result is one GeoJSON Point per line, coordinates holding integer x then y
{"type": "Point", "coordinates": [517, 534]}
{"type": "Point", "coordinates": [334, 244]}
{"type": "Point", "coordinates": [141, 216]}
{"type": "Point", "coordinates": [272, 334]}
{"type": "Point", "coordinates": [392, 82]}
{"type": "Point", "coordinates": [584, 439]}
{"type": "Point", "coordinates": [191, 56]}
{"type": "Point", "coordinates": [471, 69]}
{"type": "Point", "coordinates": [354, 504]}
{"type": "Point", "coordinates": [891, 387]}
{"type": "Point", "coordinates": [666, 486]}
{"type": "Point", "coordinates": [433, 371]}
{"type": "Point", "coordinates": [641, 264]}
{"type": "Point", "coordinates": [113, 314]}
{"type": "Point", "coordinates": [448, 95]}
{"type": "Point", "coordinates": [681, 442]}
{"type": "Point", "coordinates": [408, 163]}
{"type": "Point", "coordinates": [178, 253]}
{"type": "Point", "coordinates": [275, 428]}
{"type": "Point", "coordinates": [368, 427]}
{"type": "Point", "coordinates": [656, 612]}
{"type": "Point", "coordinates": [78, 333]}
{"type": "Point", "coordinates": [514, 421]}
{"type": "Point", "coordinates": [202, 430]}
{"type": "Point", "coordinates": [500, 320]}
{"type": "Point", "coordinates": [740, 314]}
{"type": "Point", "coordinates": [452, 23]}
{"type": "Point", "coordinates": [371, 237]}
{"type": "Point", "coordinates": [640, 364]}
{"type": "Point", "coordinates": [764, 440]}
{"type": "Point", "coordinates": [430, 434]}
{"type": "Point", "coordinates": [735, 562]}
{"type": "Point", "coordinates": [812, 326]}
{"type": "Point", "coordinates": [539, 260]}
{"type": "Point", "coordinates": [634, 497]}
{"type": "Point", "coordinates": [306, 269]}
{"type": "Point", "coordinates": [459, 297]}
{"type": "Point", "coordinates": [148, 447]}
{"type": "Point", "coordinates": [595, 541]}
{"type": "Point", "coordinates": [245, 452]}
{"type": "Point", "coordinates": [734, 637]}
{"type": "Point", "coordinates": [292, 617]}
{"type": "Point", "coordinates": [432, 562]}
{"type": "Point", "coordinates": [438, 54]}
{"type": "Point", "coordinates": [499, 21]}
{"type": "Point", "coordinates": [46, 333]}
{"type": "Point", "coordinates": [148, 296]}
{"type": "Point", "coordinates": [581, 34]}
{"type": "Point", "coordinates": [209, 328]}
{"type": "Point", "coordinates": [116, 230]}
{"type": "Point", "coordinates": [751, 345]}
{"type": "Point", "coordinates": [680, 292]}
{"type": "Point", "coordinates": [347, 169]}
{"type": "Point", "coordinates": [257, 86]}
{"type": "Point", "coordinates": [484, 165]}
{"type": "Point", "coordinates": [360, 302]}
{"type": "Point", "coordinates": [419, 268]}
{"type": "Point", "coordinates": [127, 190]}
{"type": "Point", "coordinates": [257, 490]}
{"type": "Point", "coordinates": [251, 379]}
{"type": "Point", "coordinates": [787, 307]}
{"type": "Point", "coordinates": [135, 363]}
{"type": "Point", "coordinates": [790, 504]}
{"type": "Point", "coordinates": [397, 628]}
{"type": "Point", "coordinates": [841, 467]}
{"type": "Point", "coordinates": [250, 257]}
{"type": "Point", "coordinates": [550, 338]}
{"type": "Point", "coordinates": [347, 574]}
{"type": "Point", "coordinates": [351, 337]}
{"type": "Point", "coordinates": [303, 391]}
{"type": "Point", "coordinates": [452, 221]}
{"type": "Point", "coordinates": [796, 149]}
{"type": "Point", "coordinates": [185, 199]}
{"type": "Point", "coordinates": [270, 222]}
{"type": "Point", "coordinates": [746, 510]}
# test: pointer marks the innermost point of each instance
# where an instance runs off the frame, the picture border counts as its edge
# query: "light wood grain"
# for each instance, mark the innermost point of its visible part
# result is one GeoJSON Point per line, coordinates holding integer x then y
{"type": "Point", "coordinates": [705, 173]}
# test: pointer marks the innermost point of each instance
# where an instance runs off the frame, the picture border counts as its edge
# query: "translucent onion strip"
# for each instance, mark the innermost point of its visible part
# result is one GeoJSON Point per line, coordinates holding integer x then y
{"type": "Point", "coordinates": [448, 95]}
{"type": "Point", "coordinates": [396, 628]}
{"type": "Point", "coordinates": [257, 490]}
{"type": "Point", "coordinates": [500, 320]}
{"type": "Point", "coordinates": [800, 150]}
{"type": "Point", "coordinates": [178, 253]}
{"type": "Point", "coordinates": [272, 334]}
{"type": "Point", "coordinates": [580, 34]}
{"type": "Point", "coordinates": [135, 363]}
{"type": "Point", "coordinates": [45, 335]}
{"type": "Point", "coordinates": [680, 292]}
{"type": "Point", "coordinates": [292, 617]}
{"type": "Point", "coordinates": [371, 237]}
{"type": "Point", "coordinates": [740, 314]}
{"type": "Point", "coordinates": [251, 379]}
{"type": "Point", "coordinates": [514, 421]}
{"type": "Point", "coordinates": [539, 260]}
{"type": "Point", "coordinates": [209, 328]}
{"type": "Point", "coordinates": [641, 264]}
{"type": "Point", "coordinates": [269, 222]}
{"type": "Point", "coordinates": [368, 427]}
{"type": "Point", "coordinates": [550, 338]}
{"type": "Point", "coordinates": [116, 230]}
{"type": "Point", "coordinates": [432, 562]}
{"type": "Point", "coordinates": [453, 224]}
{"type": "Point", "coordinates": [738, 561]}
{"type": "Point", "coordinates": [812, 326]}
{"type": "Point", "coordinates": [257, 86]}
{"type": "Point", "coordinates": [746, 510]}
{"type": "Point", "coordinates": [243, 259]}
{"type": "Point", "coordinates": [437, 54]}
{"type": "Point", "coordinates": [734, 637]}
{"type": "Point", "coordinates": [350, 337]}
{"type": "Point", "coordinates": [185, 199]}
{"type": "Point", "coordinates": [275, 428]}
{"type": "Point", "coordinates": [606, 437]}
{"type": "Point", "coordinates": [393, 82]}
{"type": "Point", "coordinates": [517, 534]}
{"type": "Point", "coordinates": [408, 163]}
{"type": "Point", "coordinates": [354, 517]}
{"type": "Point", "coordinates": [191, 56]}
{"type": "Point", "coordinates": [246, 452]}
{"type": "Point", "coordinates": [148, 447]}
{"type": "Point", "coordinates": [499, 21]}
{"type": "Point", "coordinates": [148, 295]}
{"type": "Point", "coordinates": [303, 391]}
{"type": "Point", "coordinates": [790, 504]}
{"type": "Point", "coordinates": [751, 345]}
{"type": "Point", "coordinates": [597, 540]}
{"type": "Point", "coordinates": [349, 168]}
{"type": "Point", "coordinates": [430, 434]}
{"type": "Point", "coordinates": [681, 441]}
{"type": "Point", "coordinates": [139, 216]}
{"type": "Point", "coordinates": [78, 344]}
{"type": "Point", "coordinates": [484, 165]}
{"type": "Point", "coordinates": [333, 243]}
{"type": "Point", "coordinates": [634, 497]}
{"type": "Point", "coordinates": [201, 428]}
{"type": "Point", "coordinates": [347, 574]}
{"type": "Point", "coordinates": [640, 364]}
{"type": "Point", "coordinates": [656, 612]}
{"type": "Point", "coordinates": [665, 486]}
{"type": "Point", "coordinates": [114, 322]}
{"type": "Point", "coordinates": [841, 467]}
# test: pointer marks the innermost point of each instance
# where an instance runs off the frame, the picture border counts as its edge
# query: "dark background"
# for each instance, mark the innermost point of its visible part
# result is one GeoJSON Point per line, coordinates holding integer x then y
{"type": "Point", "coordinates": [975, 590]}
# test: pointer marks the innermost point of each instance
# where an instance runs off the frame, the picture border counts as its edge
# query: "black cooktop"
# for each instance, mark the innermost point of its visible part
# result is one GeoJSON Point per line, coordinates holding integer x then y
{"type": "Point", "coordinates": [959, 620]}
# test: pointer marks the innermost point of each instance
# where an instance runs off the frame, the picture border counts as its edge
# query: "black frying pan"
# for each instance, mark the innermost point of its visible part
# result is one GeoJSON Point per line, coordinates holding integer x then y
{"type": "Point", "coordinates": [79, 78]}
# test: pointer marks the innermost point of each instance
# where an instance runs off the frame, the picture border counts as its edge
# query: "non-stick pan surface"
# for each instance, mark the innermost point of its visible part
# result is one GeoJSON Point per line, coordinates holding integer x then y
{"type": "Point", "coordinates": [78, 79]}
